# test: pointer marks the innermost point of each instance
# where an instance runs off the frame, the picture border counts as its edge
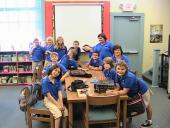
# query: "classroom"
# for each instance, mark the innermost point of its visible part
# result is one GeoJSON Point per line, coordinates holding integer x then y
{"type": "Point", "coordinates": [84, 64]}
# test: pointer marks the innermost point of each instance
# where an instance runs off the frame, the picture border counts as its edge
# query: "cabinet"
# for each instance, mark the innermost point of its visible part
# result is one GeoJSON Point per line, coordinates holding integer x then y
{"type": "Point", "coordinates": [164, 70]}
{"type": "Point", "coordinates": [15, 68]}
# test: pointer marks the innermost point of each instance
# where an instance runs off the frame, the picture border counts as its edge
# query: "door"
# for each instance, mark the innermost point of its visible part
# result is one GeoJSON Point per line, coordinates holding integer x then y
{"type": "Point", "coordinates": [127, 30]}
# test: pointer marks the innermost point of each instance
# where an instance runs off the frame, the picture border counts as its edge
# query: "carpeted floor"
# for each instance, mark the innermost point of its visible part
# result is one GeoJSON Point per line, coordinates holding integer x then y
{"type": "Point", "coordinates": [12, 117]}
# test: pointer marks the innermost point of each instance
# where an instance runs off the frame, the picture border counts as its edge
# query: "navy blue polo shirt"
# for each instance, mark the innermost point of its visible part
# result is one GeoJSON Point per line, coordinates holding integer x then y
{"type": "Point", "coordinates": [77, 56]}
{"type": "Point", "coordinates": [129, 80]}
{"type": "Point", "coordinates": [142, 85]}
{"type": "Point", "coordinates": [111, 74]}
{"type": "Point", "coordinates": [124, 58]}
{"type": "Point", "coordinates": [95, 63]}
{"type": "Point", "coordinates": [51, 49]}
{"type": "Point", "coordinates": [104, 50]}
{"type": "Point", "coordinates": [61, 52]}
{"type": "Point", "coordinates": [68, 63]}
{"type": "Point", "coordinates": [37, 54]}
{"type": "Point", "coordinates": [49, 87]}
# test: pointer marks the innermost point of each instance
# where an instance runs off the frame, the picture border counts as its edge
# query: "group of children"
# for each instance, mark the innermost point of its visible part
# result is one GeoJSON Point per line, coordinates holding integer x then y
{"type": "Point", "coordinates": [104, 56]}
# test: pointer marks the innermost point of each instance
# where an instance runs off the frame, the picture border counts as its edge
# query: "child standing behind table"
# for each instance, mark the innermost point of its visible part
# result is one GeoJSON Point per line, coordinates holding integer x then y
{"type": "Point", "coordinates": [118, 55]}
{"type": "Point", "coordinates": [59, 47]}
{"type": "Point", "coordinates": [95, 62]}
{"type": "Point", "coordinates": [78, 51]}
{"type": "Point", "coordinates": [37, 53]}
{"type": "Point", "coordinates": [48, 49]}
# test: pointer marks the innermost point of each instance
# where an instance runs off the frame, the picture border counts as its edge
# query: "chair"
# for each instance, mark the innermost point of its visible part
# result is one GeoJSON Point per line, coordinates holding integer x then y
{"type": "Point", "coordinates": [36, 111]}
{"type": "Point", "coordinates": [101, 109]}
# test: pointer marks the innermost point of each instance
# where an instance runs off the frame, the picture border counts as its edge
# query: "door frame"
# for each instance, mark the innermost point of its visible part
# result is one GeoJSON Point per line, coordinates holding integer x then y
{"type": "Point", "coordinates": [141, 33]}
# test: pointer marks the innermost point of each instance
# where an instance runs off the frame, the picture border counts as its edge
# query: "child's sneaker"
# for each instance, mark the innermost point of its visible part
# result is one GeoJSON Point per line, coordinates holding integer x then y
{"type": "Point", "coordinates": [147, 123]}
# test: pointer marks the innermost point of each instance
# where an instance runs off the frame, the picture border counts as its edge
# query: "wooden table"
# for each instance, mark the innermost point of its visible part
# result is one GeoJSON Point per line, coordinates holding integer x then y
{"type": "Point", "coordinates": [72, 97]}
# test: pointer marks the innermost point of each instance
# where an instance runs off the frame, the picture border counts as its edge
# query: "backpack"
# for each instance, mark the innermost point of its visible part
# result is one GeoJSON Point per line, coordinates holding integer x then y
{"type": "Point", "coordinates": [77, 84]}
{"type": "Point", "coordinates": [34, 95]}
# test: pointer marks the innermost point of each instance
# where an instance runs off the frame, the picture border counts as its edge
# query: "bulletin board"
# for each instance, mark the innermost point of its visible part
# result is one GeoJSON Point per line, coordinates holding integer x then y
{"type": "Point", "coordinates": [82, 22]}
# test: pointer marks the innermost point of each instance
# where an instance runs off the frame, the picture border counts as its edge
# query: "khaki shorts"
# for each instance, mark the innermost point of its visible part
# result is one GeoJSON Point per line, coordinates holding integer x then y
{"type": "Point", "coordinates": [36, 66]}
{"type": "Point", "coordinates": [147, 97]}
{"type": "Point", "coordinates": [54, 109]}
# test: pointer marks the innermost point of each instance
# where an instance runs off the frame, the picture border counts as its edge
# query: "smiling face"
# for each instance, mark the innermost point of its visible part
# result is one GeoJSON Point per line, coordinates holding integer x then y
{"type": "Point", "coordinates": [120, 70]}
{"type": "Point", "coordinates": [117, 52]}
{"type": "Point", "coordinates": [106, 65]}
{"type": "Point", "coordinates": [55, 72]}
{"type": "Point", "coordinates": [36, 42]}
{"type": "Point", "coordinates": [54, 58]}
{"type": "Point", "coordinates": [76, 44]}
{"type": "Point", "coordinates": [60, 40]}
{"type": "Point", "coordinates": [101, 39]}
{"type": "Point", "coordinates": [49, 41]}
{"type": "Point", "coordinates": [95, 56]}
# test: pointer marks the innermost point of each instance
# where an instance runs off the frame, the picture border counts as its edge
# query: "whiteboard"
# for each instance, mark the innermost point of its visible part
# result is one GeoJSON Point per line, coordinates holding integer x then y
{"type": "Point", "coordinates": [82, 22]}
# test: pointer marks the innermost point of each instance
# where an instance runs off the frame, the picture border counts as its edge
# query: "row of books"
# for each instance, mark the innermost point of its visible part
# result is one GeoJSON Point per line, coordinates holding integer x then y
{"type": "Point", "coordinates": [15, 79]}
{"type": "Point", "coordinates": [13, 68]}
{"type": "Point", "coordinates": [14, 57]}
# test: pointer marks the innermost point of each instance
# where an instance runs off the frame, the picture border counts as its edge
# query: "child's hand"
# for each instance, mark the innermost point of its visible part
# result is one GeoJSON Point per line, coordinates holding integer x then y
{"type": "Point", "coordinates": [111, 92]}
{"type": "Point", "coordinates": [62, 109]}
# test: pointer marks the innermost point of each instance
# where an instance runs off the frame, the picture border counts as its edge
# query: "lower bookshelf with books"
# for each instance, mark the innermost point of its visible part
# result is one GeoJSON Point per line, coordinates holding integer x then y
{"type": "Point", "coordinates": [15, 68]}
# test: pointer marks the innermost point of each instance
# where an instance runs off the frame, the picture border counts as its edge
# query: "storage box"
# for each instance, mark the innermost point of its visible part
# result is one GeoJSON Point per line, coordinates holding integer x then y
{"type": "Point", "coordinates": [15, 79]}
{"type": "Point", "coordinates": [6, 58]}
{"type": "Point", "coordinates": [14, 58]}
{"type": "Point", "coordinates": [4, 80]}
{"type": "Point", "coordinates": [29, 79]}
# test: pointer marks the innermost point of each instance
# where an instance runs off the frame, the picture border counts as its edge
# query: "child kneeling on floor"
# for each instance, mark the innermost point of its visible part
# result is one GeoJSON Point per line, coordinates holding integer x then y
{"type": "Point", "coordinates": [52, 91]}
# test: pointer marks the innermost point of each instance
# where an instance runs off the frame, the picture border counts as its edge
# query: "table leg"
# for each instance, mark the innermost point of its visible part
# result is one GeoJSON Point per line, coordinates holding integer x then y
{"type": "Point", "coordinates": [124, 113]}
{"type": "Point", "coordinates": [70, 116]}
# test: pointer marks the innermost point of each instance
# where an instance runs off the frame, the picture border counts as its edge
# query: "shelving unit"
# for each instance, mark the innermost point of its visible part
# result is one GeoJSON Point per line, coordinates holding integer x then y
{"type": "Point", "coordinates": [164, 70]}
{"type": "Point", "coordinates": [15, 68]}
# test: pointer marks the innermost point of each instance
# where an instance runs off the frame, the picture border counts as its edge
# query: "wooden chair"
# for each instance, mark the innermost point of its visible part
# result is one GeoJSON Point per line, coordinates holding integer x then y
{"type": "Point", "coordinates": [102, 109]}
{"type": "Point", "coordinates": [34, 112]}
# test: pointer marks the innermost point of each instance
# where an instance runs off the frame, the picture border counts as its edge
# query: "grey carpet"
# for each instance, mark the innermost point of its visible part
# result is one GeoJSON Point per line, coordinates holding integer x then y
{"type": "Point", "coordinates": [12, 117]}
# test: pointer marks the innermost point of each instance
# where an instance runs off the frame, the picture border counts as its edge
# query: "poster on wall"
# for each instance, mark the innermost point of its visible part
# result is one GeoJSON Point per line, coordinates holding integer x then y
{"type": "Point", "coordinates": [156, 32]}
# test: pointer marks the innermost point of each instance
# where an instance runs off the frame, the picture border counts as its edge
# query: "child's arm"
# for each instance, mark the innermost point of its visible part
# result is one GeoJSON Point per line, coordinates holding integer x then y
{"type": "Point", "coordinates": [95, 68]}
{"type": "Point", "coordinates": [98, 68]}
{"type": "Point", "coordinates": [117, 91]}
{"type": "Point", "coordinates": [123, 92]}
{"type": "Point", "coordinates": [31, 50]}
{"type": "Point", "coordinates": [48, 51]}
{"type": "Point", "coordinates": [60, 99]}
{"type": "Point", "coordinates": [65, 75]}
{"type": "Point", "coordinates": [53, 100]}
{"type": "Point", "coordinates": [91, 67]}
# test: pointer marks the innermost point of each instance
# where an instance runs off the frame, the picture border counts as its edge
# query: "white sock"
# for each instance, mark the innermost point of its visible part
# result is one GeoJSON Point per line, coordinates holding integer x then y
{"type": "Point", "coordinates": [150, 121]}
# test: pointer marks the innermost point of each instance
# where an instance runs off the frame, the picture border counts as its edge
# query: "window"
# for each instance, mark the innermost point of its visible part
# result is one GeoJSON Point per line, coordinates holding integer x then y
{"type": "Point", "coordinates": [20, 23]}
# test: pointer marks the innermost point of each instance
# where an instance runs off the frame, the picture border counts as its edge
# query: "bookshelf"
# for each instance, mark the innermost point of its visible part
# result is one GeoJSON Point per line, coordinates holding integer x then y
{"type": "Point", "coordinates": [15, 68]}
